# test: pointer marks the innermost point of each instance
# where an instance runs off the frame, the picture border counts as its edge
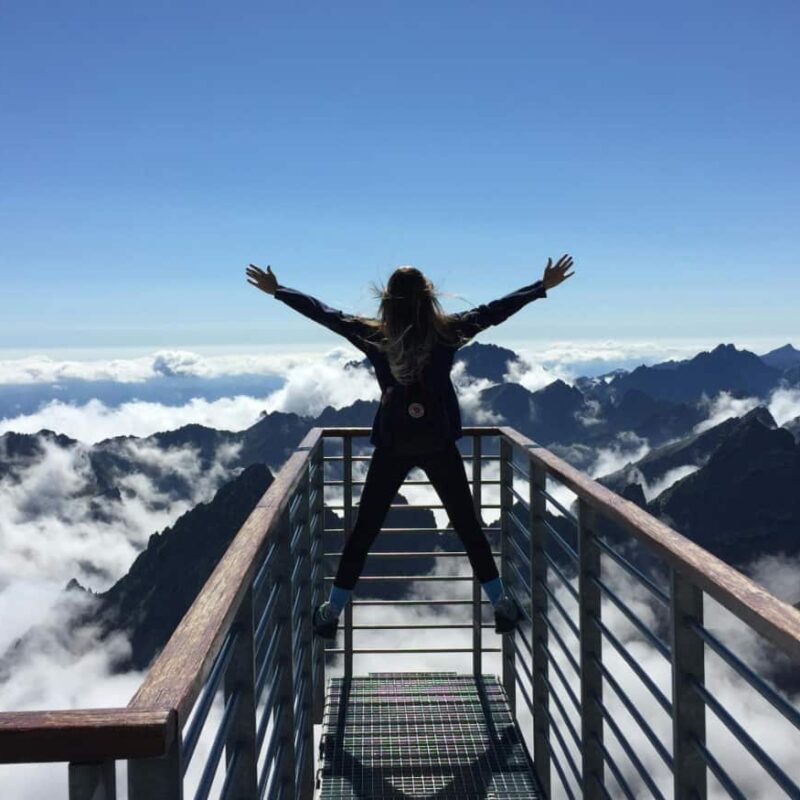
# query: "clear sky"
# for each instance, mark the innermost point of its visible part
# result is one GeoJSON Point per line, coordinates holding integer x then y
{"type": "Point", "coordinates": [151, 150]}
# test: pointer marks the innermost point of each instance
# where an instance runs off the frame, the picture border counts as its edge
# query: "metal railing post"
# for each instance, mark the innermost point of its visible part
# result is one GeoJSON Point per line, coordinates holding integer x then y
{"type": "Point", "coordinates": [306, 640]}
{"type": "Point", "coordinates": [285, 701]}
{"type": "Point", "coordinates": [506, 499]}
{"type": "Point", "coordinates": [317, 511]}
{"type": "Point", "coordinates": [688, 709]}
{"type": "Point", "coordinates": [590, 648]}
{"type": "Point", "coordinates": [157, 777]}
{"type": "Point", "coordinates": [92, 781]}
{"type": "Point", "coordinates": [347, 524]}
{"type": "Point", "coordinates": [539, 641]}
{"type": "Point", "coordinates": [477, 616]}
{"type": "Point", "coordinates": [240, 678]}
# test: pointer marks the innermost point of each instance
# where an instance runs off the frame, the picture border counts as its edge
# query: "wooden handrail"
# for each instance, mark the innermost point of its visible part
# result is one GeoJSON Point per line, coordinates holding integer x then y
{"type": "Point", "coordinates": [772, 618]}
{"type": "Point", "coordinates": [176, 677]}
{"type": "Point", "coordinates": [90, 734]}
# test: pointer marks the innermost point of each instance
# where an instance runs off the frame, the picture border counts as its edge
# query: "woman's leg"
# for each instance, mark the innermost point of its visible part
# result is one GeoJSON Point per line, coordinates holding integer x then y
{"type": "Point", "coordinates": [448, 476]}
{"type": "Point", "coordinates": [385, 475]}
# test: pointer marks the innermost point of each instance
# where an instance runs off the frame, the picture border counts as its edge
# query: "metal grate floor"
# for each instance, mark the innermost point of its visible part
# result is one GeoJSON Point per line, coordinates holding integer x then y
{"type": "Point", "coordinates": [432, 735]}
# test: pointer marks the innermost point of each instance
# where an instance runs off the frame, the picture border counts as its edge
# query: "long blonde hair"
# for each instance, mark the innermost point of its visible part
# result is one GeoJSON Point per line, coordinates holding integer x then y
{"type": "Point", "coordinates": [409, 322]}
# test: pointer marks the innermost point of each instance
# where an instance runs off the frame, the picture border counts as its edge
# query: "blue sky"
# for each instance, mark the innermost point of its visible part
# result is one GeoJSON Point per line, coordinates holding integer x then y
{"type": "Point", "coordinates": [150, 151]}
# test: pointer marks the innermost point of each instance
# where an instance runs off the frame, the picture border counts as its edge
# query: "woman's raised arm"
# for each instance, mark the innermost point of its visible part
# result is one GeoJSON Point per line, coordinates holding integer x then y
{"type": "Point", "coordinates": [471, 322]}
{"type": "Point", "coordinates": [332, 318]}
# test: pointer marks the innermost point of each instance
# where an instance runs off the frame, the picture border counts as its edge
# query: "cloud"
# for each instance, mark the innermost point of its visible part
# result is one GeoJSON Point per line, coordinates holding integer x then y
{"type": "Point", "coordinates": [653, 489]}
{"type": "Point", "coordinates": [84, 667]}
{"type": "Point", "coordinates": [592, 415]}
{"type": "Point", "coordinates": [725, 406]}
{"type": "Point", "coordinates": [780, 574]}
{"type": "Point", "coordinates": [95, 421]}
{"type": "Point", "coordinates": [50, 528]}
{"type": "Point", "coordinates": [313, 385]}
{"type": "Point", "coordinates": [44, 369]}
{"type": "Point", "coordinates": [570, 359]}
{"type": "Point", "coordinates": [529, 371]}
{"type": "Point", "coordinates": [310, 386]}
{"type": "Point", "coordinates": [628, 449]}
{"type": "Point", "coordinates": [783, 404]}
{"type": "Point", "coordinates": [468, 390]}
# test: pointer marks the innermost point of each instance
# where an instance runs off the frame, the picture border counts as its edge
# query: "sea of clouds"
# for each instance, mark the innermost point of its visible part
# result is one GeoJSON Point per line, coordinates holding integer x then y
{"type": "Point", "coordinates": [48, 535]}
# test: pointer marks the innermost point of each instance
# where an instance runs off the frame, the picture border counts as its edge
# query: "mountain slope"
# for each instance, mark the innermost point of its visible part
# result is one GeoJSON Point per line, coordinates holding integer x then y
{"type": "Point", "coordinates": [744, 502]}
{"type": "Point", "coordinates": [723, 369]}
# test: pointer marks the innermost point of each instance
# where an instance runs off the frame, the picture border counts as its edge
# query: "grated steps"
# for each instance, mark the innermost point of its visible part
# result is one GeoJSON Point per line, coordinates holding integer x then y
{"type": "Point", "coordinates": [433, 735]}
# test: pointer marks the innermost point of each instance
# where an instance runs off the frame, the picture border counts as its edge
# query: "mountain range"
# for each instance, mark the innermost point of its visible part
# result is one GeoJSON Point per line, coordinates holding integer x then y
{"type": "Point", "coordinates": [731, 486]}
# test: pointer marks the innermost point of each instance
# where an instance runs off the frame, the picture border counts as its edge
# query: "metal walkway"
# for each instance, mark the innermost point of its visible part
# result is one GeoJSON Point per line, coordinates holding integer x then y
{"type": "Point", "coordinates": [433, 735]}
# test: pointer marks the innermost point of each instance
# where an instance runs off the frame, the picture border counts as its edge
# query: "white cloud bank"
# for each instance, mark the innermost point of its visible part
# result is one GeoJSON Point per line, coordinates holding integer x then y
{"type": "Point", "coordinates": [49, 526]}
{"type": "Point", "coordinates": [309, 386]}
{"type": "Point", "coordinates": [45, 369]}
{"type": "Point", "coordinates": [783, 404]}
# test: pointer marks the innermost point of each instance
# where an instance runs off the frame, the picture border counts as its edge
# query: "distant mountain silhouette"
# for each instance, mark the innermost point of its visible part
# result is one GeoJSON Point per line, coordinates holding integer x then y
{"type": "Point", "coordinates": [548, 415]}
{"type": "Point", "coordinates": [782, 357]}
{"type": "Point", "coordinates": [723, 369]}
{"type": "Point", "coordinates": [488, 361]}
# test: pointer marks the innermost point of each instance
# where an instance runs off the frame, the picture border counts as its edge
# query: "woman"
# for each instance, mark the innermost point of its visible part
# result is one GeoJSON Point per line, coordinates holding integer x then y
{"type": "Point", "coordinates": [411, 345]}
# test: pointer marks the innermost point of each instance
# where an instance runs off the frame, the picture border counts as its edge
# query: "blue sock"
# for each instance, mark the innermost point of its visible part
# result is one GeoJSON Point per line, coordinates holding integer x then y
{"type": "Point", "coordinates": [494, 589]}
{"type": "Point", "coordinates": [338, 598]}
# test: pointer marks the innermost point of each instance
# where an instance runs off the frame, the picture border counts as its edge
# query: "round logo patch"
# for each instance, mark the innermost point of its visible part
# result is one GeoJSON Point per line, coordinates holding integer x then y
{"type": "Point", "coordinates": [416, 410]}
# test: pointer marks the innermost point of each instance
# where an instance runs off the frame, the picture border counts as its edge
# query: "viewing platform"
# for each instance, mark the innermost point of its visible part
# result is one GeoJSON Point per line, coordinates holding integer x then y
{"type": "Point", "coordinates": [606, 690]}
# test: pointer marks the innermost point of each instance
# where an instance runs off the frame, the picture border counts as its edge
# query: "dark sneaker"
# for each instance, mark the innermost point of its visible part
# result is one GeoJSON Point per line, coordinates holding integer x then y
{"type": "Point", "coordinates": [325, 622]}
{"type": "Point", "coordinates": [506, 614]}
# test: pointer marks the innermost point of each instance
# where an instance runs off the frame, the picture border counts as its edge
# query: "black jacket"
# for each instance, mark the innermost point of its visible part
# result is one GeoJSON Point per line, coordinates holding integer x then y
{"type": "Point", "coordinates": [436, 374]}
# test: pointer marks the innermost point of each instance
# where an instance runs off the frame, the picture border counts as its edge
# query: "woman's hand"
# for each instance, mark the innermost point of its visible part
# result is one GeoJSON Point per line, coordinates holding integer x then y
{"type": "Point", "coordinates": [553, 275]}
{"type": "Point", "coordinates": [266, 281]}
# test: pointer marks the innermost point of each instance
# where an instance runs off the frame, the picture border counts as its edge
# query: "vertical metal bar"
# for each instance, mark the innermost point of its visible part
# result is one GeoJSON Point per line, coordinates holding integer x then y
{"type": "Point", "coordinates": [538, 577]}
{"type": "Point", "coordinates": [590, 647]}
{"type": "Point", "coordinates": [306, 780]}
{"type": "Point", "coordinates": [319, 585]}
{"type": "Point", "coordinates": [240, 678]}
{"type": "Point", "coordinates": [506, 498]}
{"type": "Point", "coordinates": [688, 709]}
{"type": "Point", "coordinates": [157, 777]}
{"type": "Point", "coordinates": [283, 610]}
{"type": "Point", "coordinates": [347, 463]}
{"type": "Point", "coordinates": [477, 660]}
{"type": "Point", "coordinates": [95, 781]}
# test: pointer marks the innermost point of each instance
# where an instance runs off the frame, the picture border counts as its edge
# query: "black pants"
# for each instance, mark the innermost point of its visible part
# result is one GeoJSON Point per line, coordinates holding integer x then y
{"type": "Point", "coordinates": [386, 473]}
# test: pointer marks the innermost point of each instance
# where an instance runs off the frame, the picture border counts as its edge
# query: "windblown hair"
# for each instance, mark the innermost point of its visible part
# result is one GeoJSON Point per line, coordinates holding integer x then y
{"type": "Point", "coordinates": [410, 320]}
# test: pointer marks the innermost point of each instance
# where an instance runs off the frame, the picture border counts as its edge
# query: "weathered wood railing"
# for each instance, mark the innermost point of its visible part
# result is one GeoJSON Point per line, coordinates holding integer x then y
{"type": "Point", "coordinates": [586, 767]}
{"type": "Point", "coordinates": [247, 640]}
